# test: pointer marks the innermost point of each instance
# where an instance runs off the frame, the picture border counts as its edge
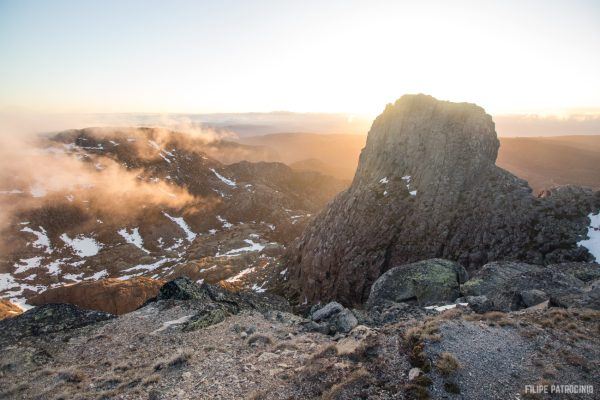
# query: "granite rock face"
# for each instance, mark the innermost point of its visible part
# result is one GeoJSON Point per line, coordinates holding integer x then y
{"type": "Point", "coordinates": [427, 187]}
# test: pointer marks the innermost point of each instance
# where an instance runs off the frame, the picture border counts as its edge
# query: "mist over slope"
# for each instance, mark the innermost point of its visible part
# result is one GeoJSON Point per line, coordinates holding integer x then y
{"type": "Point", "coordinates": [89, 204]}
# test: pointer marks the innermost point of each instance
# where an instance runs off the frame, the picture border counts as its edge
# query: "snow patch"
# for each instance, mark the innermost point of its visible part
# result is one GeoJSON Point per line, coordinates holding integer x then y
{"type": "Point", "coordinates": [133, 238]}
{"type": "Point", "coordinates": [592, 243]}
{"type": "Point", "coordinates": [252, 246]}
{"type": "Point", "coordinates": [240, 275]}
{"type": "Point", "coordinates": [83, 246]}
{"type": "Point", "coordinates": [42, 241]}
{"type": "Point", "coordinates": [223, 179]}
{"type": "Point", "coordinates": [98, 275]}
{"type": "Point", "coordinates": [182, 224]}
{"type": "Point", "coordinates": [27, 264]}
{"type": "Point", "coordinates": [445, 307]}
{"type": "Point", "coordinates": [224, 222]}
{"type": "Point", "coordinates": [37, 191]}
{"type": "Point", "coordinates": [384, 180]}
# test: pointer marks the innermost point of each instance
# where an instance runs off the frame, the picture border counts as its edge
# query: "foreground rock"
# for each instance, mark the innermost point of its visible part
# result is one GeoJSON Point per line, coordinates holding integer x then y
{"type": "Point", "coordinates": [113, 296]}
{"type": "Point", "coordinates": [427, 186]}
{"type": "Point", "coordinates": [152, 353]}
{"type": "Point", "coordinates": [510, 286]}
{"type": "Point", "coordinates": [48, 319]}
{"type": "Point", "coordinates": [331, 319]}
{"type": "Point", "coordinates": [428, 282]}
{"type": "Point", "coordinates": [9, 309]}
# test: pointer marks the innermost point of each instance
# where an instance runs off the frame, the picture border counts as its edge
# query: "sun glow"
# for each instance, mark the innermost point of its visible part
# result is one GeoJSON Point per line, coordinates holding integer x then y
{"type": "Point", "coordinates": [352, 57]}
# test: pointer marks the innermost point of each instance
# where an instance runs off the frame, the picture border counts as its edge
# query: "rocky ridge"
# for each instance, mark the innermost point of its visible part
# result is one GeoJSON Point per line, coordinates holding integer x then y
{"type": "Point", "coordinates": [228, 222]}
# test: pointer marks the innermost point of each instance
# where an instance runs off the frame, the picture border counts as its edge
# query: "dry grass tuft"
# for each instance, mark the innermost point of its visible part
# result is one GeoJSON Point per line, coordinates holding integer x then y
{"type": "Point", "coordinates": [447, 364]}
{"type": "Point", "coordinates": [360, 377]}
{"type": "Point", "coordinates": [179, 360]}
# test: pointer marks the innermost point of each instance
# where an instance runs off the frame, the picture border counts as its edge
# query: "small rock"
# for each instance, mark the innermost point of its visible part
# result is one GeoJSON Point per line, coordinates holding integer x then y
{"type": "Point", "coordinates": [327, 311]}
{"type": "Point", "coordinates": [243, 335]}
{"type": "Point", "coordinates": [414, 373]}
{"type": "Point", "coordinates": [533, 297]}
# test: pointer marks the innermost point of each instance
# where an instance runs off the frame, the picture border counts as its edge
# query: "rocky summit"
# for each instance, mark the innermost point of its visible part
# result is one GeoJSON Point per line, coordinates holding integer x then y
{"type": "Point", "coordinates": [427, 186]}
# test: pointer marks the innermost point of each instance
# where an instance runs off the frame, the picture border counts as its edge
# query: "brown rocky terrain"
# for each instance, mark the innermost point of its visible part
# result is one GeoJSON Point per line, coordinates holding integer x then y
{"type": "Point", "coordinates": [113, 296]}
{"type": "Point", "coordinates": [427, 186]}
{"type": "Point", "coordinates": [8, 309]}
{"type": "Point", "coordinates": [196, 216]}
{"type": "Point", "coordinates": [200, 342]}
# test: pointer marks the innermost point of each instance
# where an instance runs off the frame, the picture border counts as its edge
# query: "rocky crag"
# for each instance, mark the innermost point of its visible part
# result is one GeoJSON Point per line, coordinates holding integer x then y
{"type": "Point", "coordinates": [427, 186]}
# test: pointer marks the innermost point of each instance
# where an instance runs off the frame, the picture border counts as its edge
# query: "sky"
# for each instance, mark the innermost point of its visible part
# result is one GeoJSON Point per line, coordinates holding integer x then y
{"type": "Point", "coordinates": [511, 57]}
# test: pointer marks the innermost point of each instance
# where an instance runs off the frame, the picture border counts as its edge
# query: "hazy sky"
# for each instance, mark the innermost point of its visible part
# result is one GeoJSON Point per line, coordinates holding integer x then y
{"type": "Point", "coordinates": [330, 56]}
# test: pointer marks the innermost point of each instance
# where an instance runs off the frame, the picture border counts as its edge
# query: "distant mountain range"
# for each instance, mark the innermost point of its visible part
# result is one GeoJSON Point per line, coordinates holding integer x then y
{"type": "Point", "coordinates": [542, 161]}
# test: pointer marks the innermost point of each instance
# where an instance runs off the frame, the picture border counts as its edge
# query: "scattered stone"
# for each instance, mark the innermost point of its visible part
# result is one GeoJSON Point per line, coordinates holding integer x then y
{"type": "Point", "coordinates": [414, 373]}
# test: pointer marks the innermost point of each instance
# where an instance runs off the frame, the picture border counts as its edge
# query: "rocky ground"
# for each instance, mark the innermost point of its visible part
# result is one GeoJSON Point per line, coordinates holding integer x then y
{"type": "Point", "coordinates": [199, 341]}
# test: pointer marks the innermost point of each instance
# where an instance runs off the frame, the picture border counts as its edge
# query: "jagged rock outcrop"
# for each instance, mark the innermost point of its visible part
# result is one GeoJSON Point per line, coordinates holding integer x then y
{"type": "Point", "coordinates": [513, 285]}
{"type": "Point", "coordinates": [113, 296]}
{"type": "Point", "coordinates": [427, 186]}
{"type": "Point", "coordinates": [47, 319]}
{"type": "Point", "coordinates": [9, 309]}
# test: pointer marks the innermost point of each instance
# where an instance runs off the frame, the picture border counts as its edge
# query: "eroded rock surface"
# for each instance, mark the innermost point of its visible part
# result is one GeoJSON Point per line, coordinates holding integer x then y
{"type": "Point", "coordinates": [113, 296]}
{"type": "Point", "coordinates": [427, 186]}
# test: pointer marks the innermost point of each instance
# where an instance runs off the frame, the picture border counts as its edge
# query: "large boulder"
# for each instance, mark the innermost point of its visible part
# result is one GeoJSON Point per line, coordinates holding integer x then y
{"type": "Point", "coordinates": [426, 187]}
{"type": "Point", "coordinates": [513, 285]}
{"type": "Point", "coordinates": [427, 282]}
{"type": "Point", "coordinates": [331, 319]}
{"type": "Point", "coordinates": [113, 296]}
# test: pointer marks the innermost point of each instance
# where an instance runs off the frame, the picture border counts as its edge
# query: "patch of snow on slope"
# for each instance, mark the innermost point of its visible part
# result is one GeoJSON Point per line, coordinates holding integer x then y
{"type": "Point", "coordinates": [133, 238]}
{"type": "Point", "coordinates": [593, 234]}
{"type": "Point", "coordinates": [259, 289]}
{"type": "Point", "coordinates": [182, 224]}
{"type": "Point", "coordinates": [14, 191]}
{"type": "Point", "coordinates": [223, 221]}
{"type": "Point", "coordinates": [223, 179]}
{"type": "Point", "coordinates": [168, 324]}
{"type": "Point", "coordinates": [384, 180]}
{"type": "Point", "coordinates": [42, 241]}
{"type": "Point", "coordinates": [37, 191]}
{"type": "Point", "coordinates": [54, 267]}
{"type": "Point", "coordinates": [240, 275]}
{"type": "Point", "coordinates": [407, 179]}
{"type": "Point", "coordinates": [27, 264]}
{"type": "Point", "coordinates": [141, 268]}
{"type": "Point", "coordinates": [445, 307]}
{"type": "Point", "coordinates": [14, 290]}
{"type": "Point", "coordinates": [252, 247]}
{"type": "Point", "coordinates": [98, 275]}
{"type": "Point", "coordinates": [83, 246]}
